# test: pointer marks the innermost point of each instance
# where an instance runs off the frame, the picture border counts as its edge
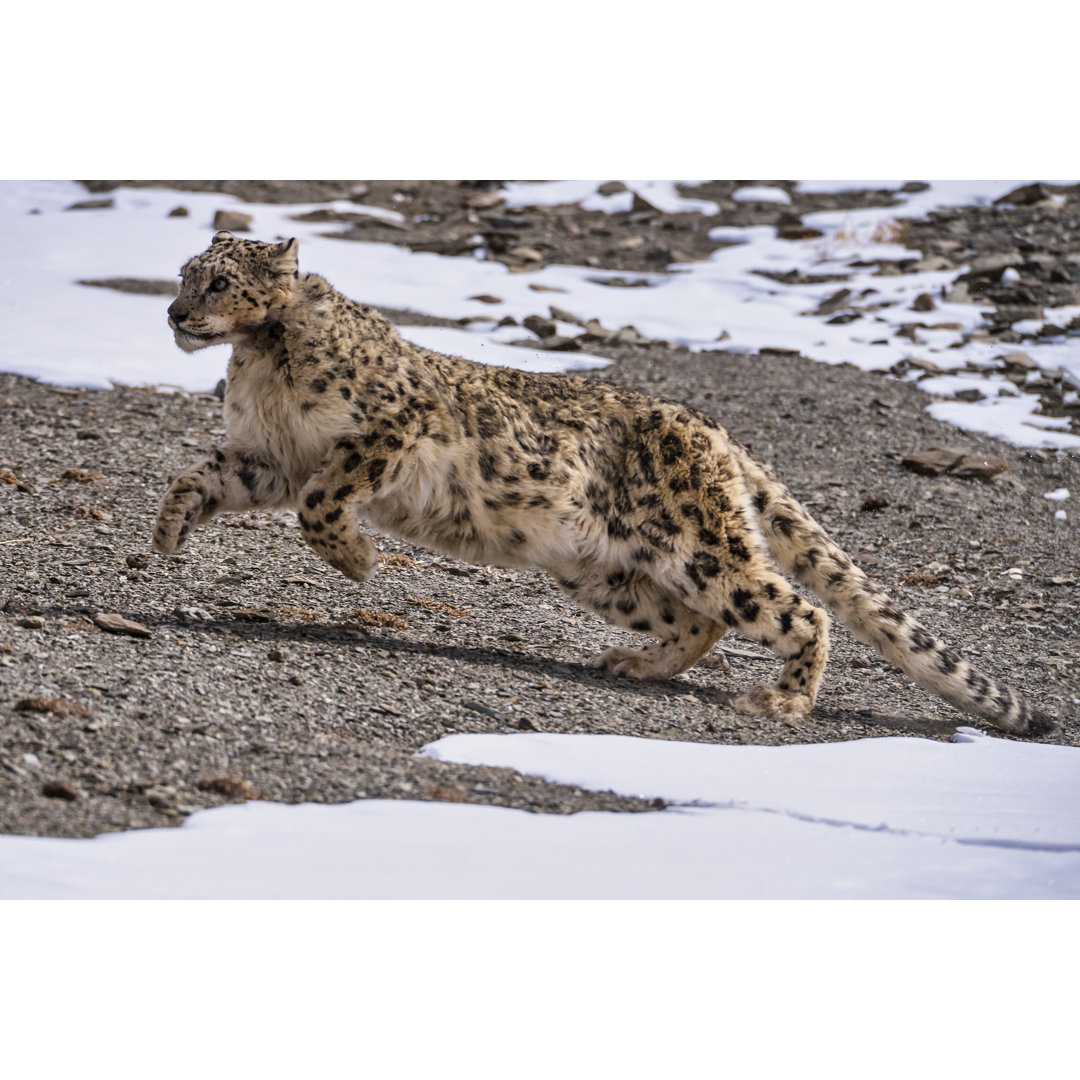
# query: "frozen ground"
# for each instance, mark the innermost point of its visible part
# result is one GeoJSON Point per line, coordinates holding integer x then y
{"type": "Point", "coordinates": [899, 818]}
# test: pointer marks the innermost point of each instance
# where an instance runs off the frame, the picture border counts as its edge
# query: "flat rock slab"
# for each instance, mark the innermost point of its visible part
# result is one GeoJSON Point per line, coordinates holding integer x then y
{"type": "Point", "coordinates": [117, 624]}
{"type": "Point", "coordinates": [935, 460]}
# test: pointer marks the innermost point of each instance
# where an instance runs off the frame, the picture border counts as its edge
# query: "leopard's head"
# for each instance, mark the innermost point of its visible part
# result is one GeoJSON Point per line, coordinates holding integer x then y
{"type": "Point", "coordinates": [230, 290]}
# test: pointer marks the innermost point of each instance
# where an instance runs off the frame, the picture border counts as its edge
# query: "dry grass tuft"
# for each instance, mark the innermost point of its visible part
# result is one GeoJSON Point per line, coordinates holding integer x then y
{"type": "Point", "coordinates": [301, 614]}
{"type": "Point", "coordinates": [56, 706]}
{"type": "Point", "coordinates": [439, 607]}
{"type": "Point", "coordinates": [404, 562]}
{"type": "Point", "coordinates": [229, 786]}
{"type": "Point", "coordinates": [379, 618]}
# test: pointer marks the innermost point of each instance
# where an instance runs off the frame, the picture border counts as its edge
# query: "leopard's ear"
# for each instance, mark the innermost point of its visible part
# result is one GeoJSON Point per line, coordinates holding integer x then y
{"type": "Point", "coordinates": [284, 256]}
{"type": "Point", "coordinates": [219, 236]}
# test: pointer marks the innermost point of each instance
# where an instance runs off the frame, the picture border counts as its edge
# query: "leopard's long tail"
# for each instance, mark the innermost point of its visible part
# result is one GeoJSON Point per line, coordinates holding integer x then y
{"type": "Point", "coordinates": [806, 552]}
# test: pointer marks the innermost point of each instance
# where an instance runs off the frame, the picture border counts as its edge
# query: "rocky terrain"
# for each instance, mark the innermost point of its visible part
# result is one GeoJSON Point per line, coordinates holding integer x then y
{"type": "Point", "coordinates": [136, 688]}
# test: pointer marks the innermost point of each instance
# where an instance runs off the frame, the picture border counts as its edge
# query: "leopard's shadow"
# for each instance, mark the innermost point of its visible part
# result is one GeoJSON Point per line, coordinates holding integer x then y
{"type": "Point", "coordinates": [269, 634]}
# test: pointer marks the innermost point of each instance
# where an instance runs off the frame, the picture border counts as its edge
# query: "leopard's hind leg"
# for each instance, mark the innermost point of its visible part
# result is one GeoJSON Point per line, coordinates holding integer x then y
{"type": "Point", "coordinates": [763, 607]}
{"type": "Point", "coordinates": [632, 600]}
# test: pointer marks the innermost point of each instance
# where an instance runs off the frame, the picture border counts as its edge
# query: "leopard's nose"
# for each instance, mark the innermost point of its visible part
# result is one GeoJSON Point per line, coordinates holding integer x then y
{"type": "Point", "coordinates": [176, 314]}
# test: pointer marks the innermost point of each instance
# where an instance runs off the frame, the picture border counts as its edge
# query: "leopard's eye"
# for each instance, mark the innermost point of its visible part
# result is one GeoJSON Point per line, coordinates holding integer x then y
{"type": "Point", "coordinates": [219, 284]}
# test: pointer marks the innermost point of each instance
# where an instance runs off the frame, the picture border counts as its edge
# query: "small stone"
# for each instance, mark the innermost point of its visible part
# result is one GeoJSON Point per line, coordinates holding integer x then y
{"type": "Point", "coordinates": [931, 462]}
{"type": "Point", "coordinates": [971, 393]}
{"type": "Point", "coordinates": [486, 298]}
{"type": "Point", "coordinates": [32, 622]}
{"type": "Point", "coordinates": [642, 206]}
{"type": "Point", "coordinates": [557, 343]}
{"type": "Point", "coordinates": [117, 624]}
{"type": "Point", "coordinates": [934, 262]}
{"type": "Point", "coordinates": [564, 316]}
{"type": "Point", "coordinates": [978, 467]}
{"type": "Point", "coordinates": [1025, 196]}
{"type": "Point", "coordinates": [529, 254]}
{"type": "Point", "coordinates": [251, 615]}
{"type": "Point", "coordinates": [923, 302]}
{"type": "Point", "coordinates": [277, 655]}
{"type": "Point", "coordinates": [873, 503]}
{"type": "Point", "coordinates": [81, 476]}
{"type": "Point", "coordinates": [612, 187]}
{"type": "Point", "coordinates": [189, 615]}
{"type": "Point", "coordinates": [56, 706]}
{"type": "Point", "coordinates": [959, 294]}
{"type": "Point", "coordinates": [994, 265]}
{"type": "Point", "coordinates": [229, 786]}
{"type": "Point", "coordinates": [178, 211]}
{"type": "Point", "coordinates": [1018, 360]}
{"type": "Point", "coordinates": [232, 221]}
{"type": "Point", "coordinates": [8, 477]}
{"type": "Point", "coordinates": [138, 286]}
{"type": "Point", "coordinates": [833, 302]}
{"type": "Point", "coordinates": [914, 187]}
{"type": "Point", "coordinates": [485, 200]}
{"type": "Point", "coordinates": [484, 710]}
{"type": "Point", "coordinates": [595, 329]}
{"type": "Point", "coordinates": [798, 232]}
{"type": "Point", "coordinates": [92, 204]}
{"type": "Point", "coordinates": [138, 562]}
{"type": "Point", "coordinates": [541, 327]}
{"type": "Point", "coordinates": [525, 724]}
{"type": "Point", "coordinates": [58, 789]}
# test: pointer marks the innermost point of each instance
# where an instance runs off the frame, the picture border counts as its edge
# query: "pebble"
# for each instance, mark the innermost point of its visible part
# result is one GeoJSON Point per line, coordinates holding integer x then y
{"type": "Point", "coordinates": [32, 622]}
{"type": "Point", "coordinates": [541, 327]}
{"type": "Point", "coordinates": [232, 221]}
{"type": "Point", "coordinates": [58, 789]}
{"type": "Point", "coordinates": [92, 204]}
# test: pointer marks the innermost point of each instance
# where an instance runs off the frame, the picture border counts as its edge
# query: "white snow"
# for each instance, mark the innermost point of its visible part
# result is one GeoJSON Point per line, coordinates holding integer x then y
{"type": "Point", "coordinates": [877, 818]}
{"type": "Point", "coordinates": [891, 817]}
{"type": "Point", "coordinates": [660, 193]}
{"type": "Point", "coordinates": [762, 194]}
{"type": "Point", "coordinates": [1057, 495]}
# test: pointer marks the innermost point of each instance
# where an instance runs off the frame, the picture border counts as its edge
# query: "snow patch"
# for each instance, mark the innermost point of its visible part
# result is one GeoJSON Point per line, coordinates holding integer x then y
{"type": "Point", "coordinates": [762, 194]}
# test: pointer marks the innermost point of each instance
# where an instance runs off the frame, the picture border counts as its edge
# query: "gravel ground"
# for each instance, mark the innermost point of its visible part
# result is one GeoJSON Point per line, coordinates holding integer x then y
{"type": "Point", "coordinates": [268, 675]}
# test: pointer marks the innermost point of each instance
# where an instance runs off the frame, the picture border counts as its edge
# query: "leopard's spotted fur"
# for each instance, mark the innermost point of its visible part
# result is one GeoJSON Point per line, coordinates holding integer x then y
{"type": "Point", "coordinates": [643, 510]}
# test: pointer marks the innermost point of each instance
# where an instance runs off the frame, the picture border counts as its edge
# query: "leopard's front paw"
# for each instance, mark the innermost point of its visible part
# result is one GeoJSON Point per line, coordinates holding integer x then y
{"type": "Point", "coordinates": [178, 514]}
{"type": "Point", "coordinates": [356, 563]}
